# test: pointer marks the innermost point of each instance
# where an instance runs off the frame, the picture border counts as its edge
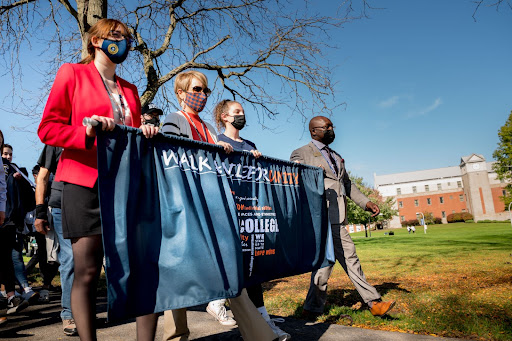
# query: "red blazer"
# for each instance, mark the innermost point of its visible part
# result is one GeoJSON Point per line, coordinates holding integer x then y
{"type": "Point", "coordinates": [79, 92]}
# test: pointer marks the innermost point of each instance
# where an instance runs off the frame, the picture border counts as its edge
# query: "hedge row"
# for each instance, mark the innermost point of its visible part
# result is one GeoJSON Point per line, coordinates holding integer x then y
{"type": "Point", "coordinates": [459, 217]}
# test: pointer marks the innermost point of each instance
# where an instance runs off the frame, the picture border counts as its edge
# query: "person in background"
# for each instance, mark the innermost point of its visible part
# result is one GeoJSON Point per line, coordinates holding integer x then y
{"type": "Point", "coordinates": [230, 116]}
{"type": "Point", "coordinates": [116, 101]}
{"type": "Point", "coordinates": [151, 115]}
{"type": "Point", "coordinates": [337, 188]}
{"type": "Point", "coordinates": [10, 216]}
{"type": "Point", "coordinates": [191, 89]}
{"type": "Point", "coordinates": [3, 201]}
{"type": "Point", "coordinates": [7, 152]}
{"type": "Point", "coordinates": [20, 271]}
{"type": "Point", "coordinates": [49, 217]}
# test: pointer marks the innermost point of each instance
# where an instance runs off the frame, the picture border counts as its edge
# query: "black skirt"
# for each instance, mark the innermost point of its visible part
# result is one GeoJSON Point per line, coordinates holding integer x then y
{"type": "Point", "coordinates": [80, 211]}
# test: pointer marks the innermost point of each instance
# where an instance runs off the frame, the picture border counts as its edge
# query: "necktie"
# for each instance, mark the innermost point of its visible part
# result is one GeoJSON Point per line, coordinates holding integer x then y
{"type": "Point", "coordinates": [332, 159]}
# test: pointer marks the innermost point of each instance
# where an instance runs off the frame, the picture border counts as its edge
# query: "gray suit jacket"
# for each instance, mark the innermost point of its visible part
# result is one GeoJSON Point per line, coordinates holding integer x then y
{"type": "Point", "coordinates": [337, 187]}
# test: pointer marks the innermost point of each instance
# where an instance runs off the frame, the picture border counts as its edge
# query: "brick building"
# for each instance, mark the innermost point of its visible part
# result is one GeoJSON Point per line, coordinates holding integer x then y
{"type": "Point", "coordinates": [470, 187]}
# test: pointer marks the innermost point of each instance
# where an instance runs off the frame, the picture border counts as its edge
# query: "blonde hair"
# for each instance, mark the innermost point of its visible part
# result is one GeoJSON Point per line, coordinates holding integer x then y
{"type": "Point", "coordinates": [101, 30]}
{"type": "Point", "coordinates": [220, 108]}
{"type": "Point", "coordinates": [183, 80]}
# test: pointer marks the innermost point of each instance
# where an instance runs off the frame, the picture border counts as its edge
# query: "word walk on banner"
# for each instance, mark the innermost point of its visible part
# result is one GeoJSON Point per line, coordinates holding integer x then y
{"type": "Point", "coordinates": [185, 224]}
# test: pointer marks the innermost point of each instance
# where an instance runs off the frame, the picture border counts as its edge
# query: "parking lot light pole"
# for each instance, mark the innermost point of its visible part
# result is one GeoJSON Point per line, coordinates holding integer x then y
{"type": "Point", "coordinates": [423, 220]}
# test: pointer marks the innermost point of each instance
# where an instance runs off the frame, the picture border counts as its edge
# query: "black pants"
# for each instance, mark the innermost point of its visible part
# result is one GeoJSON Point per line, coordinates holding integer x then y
{"type": "Point", "coordinates": [7, 243]}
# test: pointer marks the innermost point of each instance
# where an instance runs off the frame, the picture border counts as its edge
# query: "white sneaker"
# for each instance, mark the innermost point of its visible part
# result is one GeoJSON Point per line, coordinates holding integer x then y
{"type": "Point", "coordinates": [30, 295]}
{"type": "Point", "coordinates": [283, 336]}
{"type": "Point", "coordinates": [220, 314]}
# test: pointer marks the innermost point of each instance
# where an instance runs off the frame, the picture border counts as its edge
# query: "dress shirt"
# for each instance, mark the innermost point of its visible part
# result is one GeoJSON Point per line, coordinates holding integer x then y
{"type": "Point", "coordinates": [328, 155]}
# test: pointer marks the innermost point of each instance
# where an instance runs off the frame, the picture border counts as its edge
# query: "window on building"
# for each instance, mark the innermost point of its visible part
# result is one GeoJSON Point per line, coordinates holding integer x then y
{"type": "Point", "coordinates": [459, 184]}
{"type": "Point", "coordinates": [439, 187]}
{"type": "Point", "coordinates": [416, 203]}
{"type": "Point", "coordinates": [402, 218]}
{"type": "Point", "coordinates": [441, 200]}
{"type": "Point", "coordinates": [443, 213]}
{"type": "Point", "coordinates": [463, 210]}
{"type": "Point", "coordinates": [398, 191]}
{"type": "Point", "coordinates": [427, 188]}
{"type": "Point", "coordinates": [453, 211]}
{"type": "Point", "coordinates": [449, 183]}
{"type": "Point", "coordinates": [400, 204]}
{"type": "Point", "coordinates": [414, 189]}
{"type": "Point", "coordinates": [451, 197]}
{"type": "Point", "coordinates": [429, 202]}
{"type": "Point", "coordinates": [504, 192]}
{"type": "Point", "coordinates": [461, 197]}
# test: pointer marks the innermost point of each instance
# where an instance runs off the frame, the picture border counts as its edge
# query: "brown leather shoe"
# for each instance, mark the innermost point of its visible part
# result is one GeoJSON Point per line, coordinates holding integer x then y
{"type": "Point", "coordinates": [310, 315]}
{"type": "Point", "coordinates": [381, 308]}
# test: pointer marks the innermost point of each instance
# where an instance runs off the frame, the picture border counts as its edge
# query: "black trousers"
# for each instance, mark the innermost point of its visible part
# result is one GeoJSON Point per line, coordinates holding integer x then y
{"type": "Point", "coordinates": [7, 243]}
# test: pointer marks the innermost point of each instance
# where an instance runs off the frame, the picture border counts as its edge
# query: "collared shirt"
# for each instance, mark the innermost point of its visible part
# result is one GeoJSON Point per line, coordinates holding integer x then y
{"type": "Point", "coordinates": [3, 187]}
{"type": "Point", "coordinates": [325, 153]}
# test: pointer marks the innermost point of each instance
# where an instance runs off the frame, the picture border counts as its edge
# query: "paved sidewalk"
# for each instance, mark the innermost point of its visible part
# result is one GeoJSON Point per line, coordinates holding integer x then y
{"type": "Point", "coordinates": [42, 323]}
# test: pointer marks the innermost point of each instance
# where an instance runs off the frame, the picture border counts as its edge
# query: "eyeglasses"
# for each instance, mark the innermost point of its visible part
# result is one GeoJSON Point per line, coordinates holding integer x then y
{"type": "Point", "coordinates": [327, 127]}
{"type": "Point", "coordinates": [118, 35]}
{"type": "Point", "coordinates": [206, 91]}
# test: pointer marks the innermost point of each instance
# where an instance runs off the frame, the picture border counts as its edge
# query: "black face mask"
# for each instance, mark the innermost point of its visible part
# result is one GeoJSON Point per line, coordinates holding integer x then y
{"type": "Point", "coordinates": [329, 136]}
{"type": "Point", "coordinates": [239, 122]}
{"type": "Point", "coordinates": [154, 121]}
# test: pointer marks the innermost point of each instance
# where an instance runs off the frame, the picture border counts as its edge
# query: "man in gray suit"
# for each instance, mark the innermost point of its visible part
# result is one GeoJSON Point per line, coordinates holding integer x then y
{"type": "Point", "coordinates": [337, 188]}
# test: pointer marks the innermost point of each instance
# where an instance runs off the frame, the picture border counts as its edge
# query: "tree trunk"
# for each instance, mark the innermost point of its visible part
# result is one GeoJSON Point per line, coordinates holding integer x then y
{"type": "Point", "coordinates": [89, 12]}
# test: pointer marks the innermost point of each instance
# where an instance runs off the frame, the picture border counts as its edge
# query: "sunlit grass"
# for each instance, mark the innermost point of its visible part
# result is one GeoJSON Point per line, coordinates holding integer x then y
{"type": "Point", "coordinates": [455, 281]}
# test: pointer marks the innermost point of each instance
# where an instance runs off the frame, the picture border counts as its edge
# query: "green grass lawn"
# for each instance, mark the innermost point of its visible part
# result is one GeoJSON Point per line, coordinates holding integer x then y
{"type": "Point", "coordinates": [455, 281]}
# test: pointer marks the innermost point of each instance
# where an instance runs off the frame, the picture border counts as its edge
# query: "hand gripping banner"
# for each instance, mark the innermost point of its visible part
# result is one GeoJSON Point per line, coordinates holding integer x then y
{"type": "Point", "coordinates": [185, 224]}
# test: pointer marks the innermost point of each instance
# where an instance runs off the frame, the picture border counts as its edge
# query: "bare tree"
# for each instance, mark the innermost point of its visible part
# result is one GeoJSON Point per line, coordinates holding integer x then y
{"type": "Point", "coordinates": [498, 4]}
{"type": "Point", "coordinates": [263, 52]}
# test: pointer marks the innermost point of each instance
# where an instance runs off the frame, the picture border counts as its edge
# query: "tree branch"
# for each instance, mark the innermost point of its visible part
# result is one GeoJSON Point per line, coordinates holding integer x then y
{"type": "Point", "coordinates": [69, 8]}
{"type": "Point", "coordinates": [6, 8]}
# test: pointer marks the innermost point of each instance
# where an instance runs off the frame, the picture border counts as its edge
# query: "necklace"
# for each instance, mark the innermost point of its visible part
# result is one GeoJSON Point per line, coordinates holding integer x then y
{"type": "Point", "coordinates": [202, 123]}
{"type": "Point", "coordinates": [118, 107]}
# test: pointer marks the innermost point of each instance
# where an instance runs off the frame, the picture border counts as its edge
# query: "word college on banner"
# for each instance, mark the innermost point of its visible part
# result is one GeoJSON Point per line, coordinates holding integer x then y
{"type": "Point", "coordinates": [185, 223]}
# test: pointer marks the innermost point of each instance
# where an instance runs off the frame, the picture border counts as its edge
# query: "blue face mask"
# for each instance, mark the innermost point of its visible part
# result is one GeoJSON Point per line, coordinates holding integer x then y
{"type": "Point", "coordinates": [116, 51]}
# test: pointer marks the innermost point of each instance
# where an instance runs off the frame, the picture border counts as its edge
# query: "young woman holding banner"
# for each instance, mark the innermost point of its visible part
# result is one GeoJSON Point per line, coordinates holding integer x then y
{"type": "Point", "coordinates": [90, 89]}
{"type": "Point", "coordinates": [231, 116]}
{"type": "Point", "coordinates": [191, 89]}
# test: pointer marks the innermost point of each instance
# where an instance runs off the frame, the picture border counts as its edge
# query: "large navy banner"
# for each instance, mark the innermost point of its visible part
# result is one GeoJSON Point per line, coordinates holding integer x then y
{"type": "Point", "coordinates": [185, 224]}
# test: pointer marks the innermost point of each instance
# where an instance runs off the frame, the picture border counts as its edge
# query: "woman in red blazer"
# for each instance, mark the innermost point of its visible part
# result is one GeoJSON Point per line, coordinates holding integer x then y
{"type": "Point", "coordinates": [89, 89]}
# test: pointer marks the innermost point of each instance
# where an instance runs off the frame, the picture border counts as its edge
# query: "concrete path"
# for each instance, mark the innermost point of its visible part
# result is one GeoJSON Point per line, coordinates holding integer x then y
{"type": "Point", "coordinates": [42, 323]}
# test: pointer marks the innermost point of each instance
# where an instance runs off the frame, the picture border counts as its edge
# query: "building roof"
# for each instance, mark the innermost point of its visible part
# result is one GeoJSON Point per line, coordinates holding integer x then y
{"type": "Point", "coordinates": [422, 175]}
{"type": "Point", "coordinates": [471, 158]}
{"type": "Point", "coordinates": [428, 174]}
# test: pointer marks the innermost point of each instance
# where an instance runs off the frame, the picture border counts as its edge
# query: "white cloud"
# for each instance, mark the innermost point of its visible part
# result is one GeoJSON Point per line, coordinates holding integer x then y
{"type": "Point", "coordinates": [424, 111]}
{"type": "Point", "coordinates": [388, 103]}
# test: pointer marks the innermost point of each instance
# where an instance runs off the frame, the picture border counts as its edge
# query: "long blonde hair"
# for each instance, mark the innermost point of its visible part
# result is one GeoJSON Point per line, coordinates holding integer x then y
{"type": "Point", "coordinates": [101, 30]}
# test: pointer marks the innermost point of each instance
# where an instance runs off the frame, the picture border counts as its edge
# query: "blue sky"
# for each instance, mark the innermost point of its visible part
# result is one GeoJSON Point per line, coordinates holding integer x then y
{"type": "Point", "coordinates": [424, 85]}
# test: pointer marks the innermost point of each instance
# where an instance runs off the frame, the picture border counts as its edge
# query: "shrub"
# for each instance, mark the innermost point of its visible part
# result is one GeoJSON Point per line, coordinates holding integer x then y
{"type": "Point", "coordinates": [454, 218]}
{"type": "Point", "coordinates": [438, 220]}
{"type": "Point", "coordinates": [469, 221]}
{"type": "Point", "coordinates": [467, 216]}
{"type": "Point", "coordinates": [412, 222]}
{"type": "Point", "coordinates": [459, 217]}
